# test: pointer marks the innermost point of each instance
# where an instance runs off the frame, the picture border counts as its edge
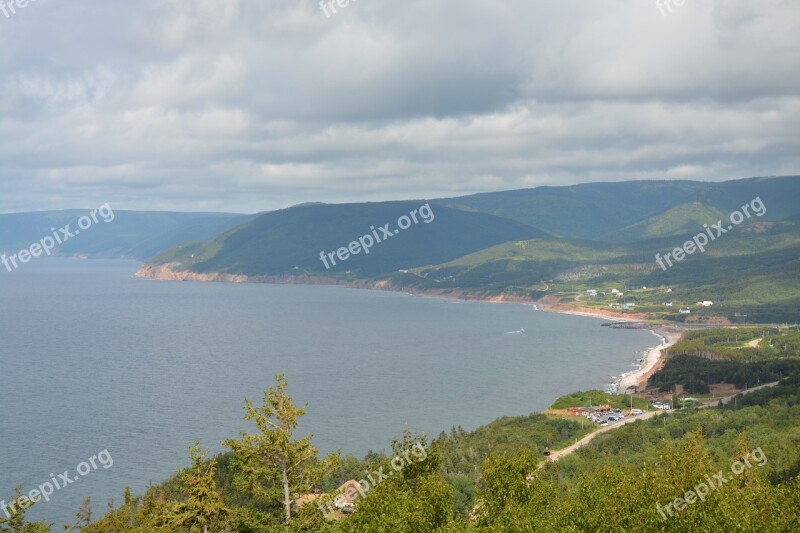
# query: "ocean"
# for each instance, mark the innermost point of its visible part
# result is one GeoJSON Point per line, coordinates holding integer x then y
{"type": "Point", "coordinates": [93, 360]}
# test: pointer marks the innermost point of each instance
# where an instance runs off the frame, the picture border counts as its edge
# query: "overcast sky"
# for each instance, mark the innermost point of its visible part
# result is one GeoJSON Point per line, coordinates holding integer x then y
{"type": "Point", "coordinates": [251, 105]}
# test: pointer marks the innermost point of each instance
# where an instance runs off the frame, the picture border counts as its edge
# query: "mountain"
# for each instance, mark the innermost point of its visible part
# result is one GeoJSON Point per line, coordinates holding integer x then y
{"type": "Point", "coordinates": [634, 210]}
{"type": "Point", "coordinates": [116, 234]}
{"type": "Point", "coordinates": [290, 241]}
{"type": "Point", "coordinates": [585, 211]}
{"type": "Point", "coordinates": [751, 273]}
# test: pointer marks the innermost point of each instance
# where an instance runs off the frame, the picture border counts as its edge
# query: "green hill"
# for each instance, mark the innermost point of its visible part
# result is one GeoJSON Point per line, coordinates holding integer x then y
{"type": "Point", "coordinates": [638, 210]}
{"type": "Point", "coordinates": [743, 458]}
{"type": "Point", "coordinates": [683, 219]}
{"type": "Point", "coordinates": [751, 274]}
{"type": "Point", "coordinates": [289, 241]}
{"type": "Point", "coordinates": [584, 211]}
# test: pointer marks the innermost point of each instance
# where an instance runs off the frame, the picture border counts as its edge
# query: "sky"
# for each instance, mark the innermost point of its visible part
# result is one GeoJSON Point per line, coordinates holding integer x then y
{"type": "Point", "coordinates": [253, 105]}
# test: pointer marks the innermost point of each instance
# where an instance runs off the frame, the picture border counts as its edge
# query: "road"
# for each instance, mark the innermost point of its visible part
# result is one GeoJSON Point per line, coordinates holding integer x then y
{"type": "Point", "coordinates": [558, 454]}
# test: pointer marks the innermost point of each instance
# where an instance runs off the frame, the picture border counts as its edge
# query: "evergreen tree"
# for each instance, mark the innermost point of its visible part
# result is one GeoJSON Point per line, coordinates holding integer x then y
{"type": "Point", "coordinates": [15, 515]}
{"type": "Point", "coordinates": [203, 507]}
{"type": "Point", "coordinates": [83, 516]}
{"type": "Point", "coordinates": [270, 463]}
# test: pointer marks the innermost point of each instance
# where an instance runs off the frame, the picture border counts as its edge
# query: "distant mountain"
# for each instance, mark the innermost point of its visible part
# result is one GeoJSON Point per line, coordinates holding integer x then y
{"type": "Point", "coordinates": [780, 198]}
{"type": "Point", "coordinates": [583, 211]}
{"type": "Point", "coordinates": [633, 210]}
{"type": "Point", "coordinates": [290, 241]}
{"type": "Point", "coordinates": [751, 273]}
{"type": "Point", "coordinates": [131, 234]}
{"type": "Point", "coordinates": [682, 219]}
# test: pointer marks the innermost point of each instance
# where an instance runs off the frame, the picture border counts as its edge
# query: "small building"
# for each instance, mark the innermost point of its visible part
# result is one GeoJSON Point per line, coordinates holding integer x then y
{"type": "Point", "coordinates": [684, 311]}
{"type": "Point", "coordinates": [348, 494]}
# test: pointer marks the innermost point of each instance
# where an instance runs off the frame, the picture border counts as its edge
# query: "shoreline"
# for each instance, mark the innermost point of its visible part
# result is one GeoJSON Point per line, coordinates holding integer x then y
{"type": "Point", "coordinates": [652, 362]}
{"type": "Point", "coordinates": [636, 379]}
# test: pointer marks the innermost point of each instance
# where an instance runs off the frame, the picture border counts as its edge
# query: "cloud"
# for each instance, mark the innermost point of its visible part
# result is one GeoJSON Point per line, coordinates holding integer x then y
{"type": "Point", "coordinates": [248, 105]}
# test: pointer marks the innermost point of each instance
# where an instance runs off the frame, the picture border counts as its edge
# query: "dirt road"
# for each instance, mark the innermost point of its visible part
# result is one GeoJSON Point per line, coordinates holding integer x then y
{"type": "Point", "coordinates": [558, 454]}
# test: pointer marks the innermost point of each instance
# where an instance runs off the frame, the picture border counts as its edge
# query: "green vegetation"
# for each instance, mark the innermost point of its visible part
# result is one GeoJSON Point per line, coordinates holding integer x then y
{"type": "Point", "coordinates": [737, 343]}
{"type": "Point", "coordinates": [496, 479]}
{"type": "Point", "coordinates": [289, 241]}
{"type": "Point", "coordinates": [17, 507]}
{"type": "Point", "coordinates": [502, 244]}
{"type": "Point", "coordinates": [742, 356]}
{"type": "Point", "coordinates": [598, 210]}
{"type": "Point", "coordinates": [751, 275]}
{"type": "Point", "coordinates": [597, 397]}
{"type": "Point", "coordinates": [696, 374]}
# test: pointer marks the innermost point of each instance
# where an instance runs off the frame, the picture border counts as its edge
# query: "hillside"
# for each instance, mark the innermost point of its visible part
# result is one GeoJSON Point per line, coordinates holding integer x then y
{"type": "Point", "coordinates": [633, 210]}
{"type": "Point", "coordinates": [497, 477]}
{"type": "Point", "coordinates": [290, 241]}
{"type": "Point", "coordinates": [585, 211]}
{"type": "Point", "coordinates": [752, 274]}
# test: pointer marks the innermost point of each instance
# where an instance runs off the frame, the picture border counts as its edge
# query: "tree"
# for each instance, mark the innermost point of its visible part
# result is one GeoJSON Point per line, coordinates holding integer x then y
{"type": "Point", "coordinates": [415, 496]}
{"type": "Point", "coordinates": [15, 512]}
{"type": "Point", "coordinates": [83, 516]}
{"type": "Point", "coordinates": [203, 507]}
{"type": "Point", "coordinates": [269, 463]}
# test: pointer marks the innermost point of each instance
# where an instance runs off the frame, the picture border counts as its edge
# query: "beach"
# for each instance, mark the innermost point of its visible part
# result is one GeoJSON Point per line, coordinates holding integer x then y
{"type": "Point", "coordinates": [652, 360]}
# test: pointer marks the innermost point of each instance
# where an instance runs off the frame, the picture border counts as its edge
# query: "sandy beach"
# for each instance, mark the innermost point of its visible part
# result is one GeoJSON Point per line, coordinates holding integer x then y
{"type": "Point", "coordinates": [652, 360]}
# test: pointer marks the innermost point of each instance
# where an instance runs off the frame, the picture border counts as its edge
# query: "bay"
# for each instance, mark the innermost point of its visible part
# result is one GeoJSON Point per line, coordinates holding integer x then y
{"type": "Point", "coordinates": [94, 359]}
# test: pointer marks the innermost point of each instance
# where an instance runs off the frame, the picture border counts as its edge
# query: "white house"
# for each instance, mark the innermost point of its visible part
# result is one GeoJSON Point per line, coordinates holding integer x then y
{"type": "Point", "coordinates": [684, 311]}
{"type": "Point", "coordinates": [706, 303]}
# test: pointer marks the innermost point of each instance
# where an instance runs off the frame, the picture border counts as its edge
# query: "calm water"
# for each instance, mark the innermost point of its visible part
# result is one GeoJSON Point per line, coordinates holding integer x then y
{"type": "Point", "coordinates": [92, 359]}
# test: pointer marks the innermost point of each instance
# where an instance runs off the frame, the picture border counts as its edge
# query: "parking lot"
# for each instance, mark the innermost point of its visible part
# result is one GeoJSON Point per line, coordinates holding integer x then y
{"type": "Point", "coordinates": [606, 418]}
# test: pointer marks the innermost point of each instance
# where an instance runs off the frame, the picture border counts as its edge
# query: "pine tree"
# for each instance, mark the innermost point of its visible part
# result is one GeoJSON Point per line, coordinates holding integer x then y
{"type": "Point", "coordinates": [269, 463]}
{"type": "Point", "coordinates": [83, 516]}
{"type": "Point", "coordinates": [203, 507]}
{"type": "Point", "coordinates": [15, 512]}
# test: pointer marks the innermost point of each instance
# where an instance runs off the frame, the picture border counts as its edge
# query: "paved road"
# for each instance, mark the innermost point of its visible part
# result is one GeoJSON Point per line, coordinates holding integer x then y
{"type": "Point", "coordinates": [558, 454]}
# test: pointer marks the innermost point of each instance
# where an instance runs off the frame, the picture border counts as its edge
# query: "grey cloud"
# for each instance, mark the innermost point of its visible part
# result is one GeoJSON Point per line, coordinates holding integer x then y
{"type": "Point", "coordinates": [247, 105]}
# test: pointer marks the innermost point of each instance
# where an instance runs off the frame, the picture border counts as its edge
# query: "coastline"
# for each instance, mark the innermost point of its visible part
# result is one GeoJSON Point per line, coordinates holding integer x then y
{"type": "Point", "coordinates": [636, 379]}
{"type": "Point", "coordinates": [653, 361]}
